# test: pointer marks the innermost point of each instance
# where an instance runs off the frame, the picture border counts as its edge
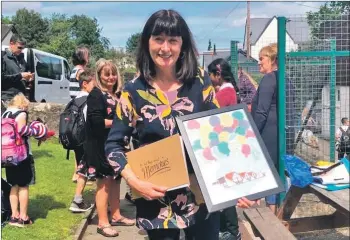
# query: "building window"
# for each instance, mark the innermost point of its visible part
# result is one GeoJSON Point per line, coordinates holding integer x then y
{"type": "Point", "coordinates": [48, 67]}
{"type": "Point", "coordinates": [339, 95]}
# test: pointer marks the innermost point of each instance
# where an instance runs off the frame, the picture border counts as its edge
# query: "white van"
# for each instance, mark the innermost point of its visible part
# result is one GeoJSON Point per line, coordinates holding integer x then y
{"type": "Point", "coordinates": [52, 74]}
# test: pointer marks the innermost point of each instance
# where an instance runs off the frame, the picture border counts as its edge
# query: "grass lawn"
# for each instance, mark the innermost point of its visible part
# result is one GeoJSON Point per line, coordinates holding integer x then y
{"type": "Point", "coordinates": [50, 197]}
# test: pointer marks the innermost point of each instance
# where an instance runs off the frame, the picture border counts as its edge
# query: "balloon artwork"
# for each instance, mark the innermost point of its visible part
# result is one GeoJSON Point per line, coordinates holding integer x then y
{"type": "Point", "coordinates": [217, 134]}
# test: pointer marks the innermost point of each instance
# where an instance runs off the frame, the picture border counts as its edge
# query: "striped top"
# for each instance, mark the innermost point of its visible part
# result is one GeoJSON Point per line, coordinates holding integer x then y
{"type": "Point", "coordinates": [74, 88]}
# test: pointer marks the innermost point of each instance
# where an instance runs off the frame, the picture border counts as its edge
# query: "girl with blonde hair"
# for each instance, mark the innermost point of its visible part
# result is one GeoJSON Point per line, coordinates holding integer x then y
{"type": "Point", "coordinates": [101, 104]}
{"type": "Point", "coordinates": [22, 175]}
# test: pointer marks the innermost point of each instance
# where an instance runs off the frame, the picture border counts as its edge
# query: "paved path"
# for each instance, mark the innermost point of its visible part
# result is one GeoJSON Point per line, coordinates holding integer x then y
{"type": "Point", "coordinates": [127, 233]}
{"type": "Point", "coordinates": [133, 233]}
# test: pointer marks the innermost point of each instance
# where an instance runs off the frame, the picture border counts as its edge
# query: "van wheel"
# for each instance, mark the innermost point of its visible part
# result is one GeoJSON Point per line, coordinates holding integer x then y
{"type": "Point", "coordinates": [43, 101]}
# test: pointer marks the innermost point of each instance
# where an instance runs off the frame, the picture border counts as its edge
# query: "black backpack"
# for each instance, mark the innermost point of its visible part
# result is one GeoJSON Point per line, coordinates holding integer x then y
{"type": "Point", "coordinates": [345, 139]}
{"type": "Point", "coordinates": [72, 124]}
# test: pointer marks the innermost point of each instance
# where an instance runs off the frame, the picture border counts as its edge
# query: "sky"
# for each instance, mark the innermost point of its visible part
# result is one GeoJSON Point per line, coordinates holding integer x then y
{"type": "Point", "coordinates": [220, 22]}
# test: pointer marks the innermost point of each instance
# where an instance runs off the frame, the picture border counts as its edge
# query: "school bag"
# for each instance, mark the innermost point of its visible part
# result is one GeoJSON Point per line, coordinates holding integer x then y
{"type": "Point", "coordinates": [72, 124]}
{"type": "Point", "coordinates": [344, 139]}
{"type": "Point", "coordinates": [13, 146]}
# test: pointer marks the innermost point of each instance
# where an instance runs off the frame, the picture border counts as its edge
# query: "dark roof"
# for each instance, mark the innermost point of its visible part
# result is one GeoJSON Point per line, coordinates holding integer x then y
{"type": "Point", "coordinates": [225, 54]}
{"type": "Point", "coordinates": [5, 29]}
{"type": "Point", "coordinates": [242, 57]}
{"type": "Point", "coordinates": [209, 56]}
{"type": "Point", "coordinates": [297, 28]}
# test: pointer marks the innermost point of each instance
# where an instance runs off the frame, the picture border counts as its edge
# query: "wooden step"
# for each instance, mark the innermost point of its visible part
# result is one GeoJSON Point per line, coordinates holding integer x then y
{"type": "Point", "coordinates": [267, 225]}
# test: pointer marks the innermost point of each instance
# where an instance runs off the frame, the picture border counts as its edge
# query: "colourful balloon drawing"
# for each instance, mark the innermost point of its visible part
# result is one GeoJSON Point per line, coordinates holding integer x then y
{"type": "Point", "coordinates": [223, 148]}
{"type": "Point", "coordinates": [246, 150]}
{"type": "Point", "coordinates": [220, 131]}
{"type": "Point", "coordinates": [226, 120]}
{"type": "Point", "coordinates": [196, 145]}
{"type": "Point", "coordinates": [249, 134]}
{"type": "Point", "coordinates": [214, 120]}
{"type": "Point", "coordinates": [193, 124]}
{"type": "Point", "coordinates": [244, 124]}
{"type": "Point", "coordinates": [207, 154]}
{"type": "Point", "coordinates": [240, 130]}
{"type": "Point", "coordinates": [224, 136]}
{"type": "Point", "coordinates": [238, 115]}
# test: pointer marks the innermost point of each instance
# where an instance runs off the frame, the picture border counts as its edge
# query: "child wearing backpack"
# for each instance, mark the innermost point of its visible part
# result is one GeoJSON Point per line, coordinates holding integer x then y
{"type": "Point", "coordinates": [22, 173]}
{"type": "Point", "coordinates": [343, 138]}
{"type": "Point", "coordinates": [86, 83]}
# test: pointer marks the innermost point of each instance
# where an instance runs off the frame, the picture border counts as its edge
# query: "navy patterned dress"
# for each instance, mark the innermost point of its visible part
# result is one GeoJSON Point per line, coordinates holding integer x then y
{"type": "Point", "coordinates": [155, 112]}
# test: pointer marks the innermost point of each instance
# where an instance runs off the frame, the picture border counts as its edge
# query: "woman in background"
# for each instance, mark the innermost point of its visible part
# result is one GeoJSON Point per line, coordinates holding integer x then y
{"type": "Point", "coordinates": [101, 104]}
{"type": "Point", "coordinates": [264, 109]}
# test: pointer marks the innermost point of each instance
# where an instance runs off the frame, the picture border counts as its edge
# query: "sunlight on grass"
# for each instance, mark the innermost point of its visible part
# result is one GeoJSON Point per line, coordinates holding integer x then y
{"type": "Point", "coordinates": [50, 197]}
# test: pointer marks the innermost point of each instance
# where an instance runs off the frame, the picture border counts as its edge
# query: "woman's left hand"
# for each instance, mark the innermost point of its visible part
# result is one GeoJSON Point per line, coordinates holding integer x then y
{"type": "Point", "coordinates": [246, 203]}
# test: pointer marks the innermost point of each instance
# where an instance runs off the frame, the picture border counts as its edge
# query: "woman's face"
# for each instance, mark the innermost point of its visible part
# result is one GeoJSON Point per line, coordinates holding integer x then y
{"type": "Point", "coordinates": [165, 50]}
{"type": "Point", "coordinates": [108, 78]}
{"type": "Point", "coordinates": [265, 64]}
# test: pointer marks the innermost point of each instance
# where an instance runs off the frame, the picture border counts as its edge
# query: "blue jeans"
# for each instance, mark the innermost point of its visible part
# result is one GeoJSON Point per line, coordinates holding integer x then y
{"type": "Point", "coordinates": [203, 230]}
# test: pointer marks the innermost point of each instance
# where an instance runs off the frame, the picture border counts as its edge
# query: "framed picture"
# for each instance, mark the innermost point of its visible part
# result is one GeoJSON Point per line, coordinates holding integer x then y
{"type": "Point", "coordinates": [228, 156]}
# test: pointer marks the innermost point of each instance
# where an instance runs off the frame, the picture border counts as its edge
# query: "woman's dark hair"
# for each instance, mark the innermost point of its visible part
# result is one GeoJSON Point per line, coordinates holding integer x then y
{"type": "Point", "coordinates": [170, 23]}
{"type": "Point", "coordinates": [221, 67]}
{"type": "Point", "coordinates": [80, 56]}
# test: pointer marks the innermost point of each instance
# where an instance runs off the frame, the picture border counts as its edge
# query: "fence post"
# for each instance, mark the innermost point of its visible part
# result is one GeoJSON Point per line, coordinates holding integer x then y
{"type": "Point", "coordinates": [332, 102]}
{"type": "Point", "coordinates": [234, 59]}
{"type": "Point", "coordinates": [281, 84]}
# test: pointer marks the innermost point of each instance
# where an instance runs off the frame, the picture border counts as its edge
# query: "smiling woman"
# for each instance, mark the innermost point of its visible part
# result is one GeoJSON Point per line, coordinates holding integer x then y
{"type": "Point", "coordinates": [169, 85]}
{"type": "Point", "coordinates": [167, 44]}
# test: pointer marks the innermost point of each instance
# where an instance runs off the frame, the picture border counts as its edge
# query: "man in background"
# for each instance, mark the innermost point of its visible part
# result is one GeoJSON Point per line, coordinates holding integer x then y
{"type": "Point", "coordinates": [14, 72]}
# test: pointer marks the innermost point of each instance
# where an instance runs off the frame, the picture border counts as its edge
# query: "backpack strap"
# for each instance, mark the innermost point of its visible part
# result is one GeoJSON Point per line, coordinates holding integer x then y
{"type": "Point", "coordinates": [9, 114]}
{"type": "Point", "coordinates": [342, 130]}
{"type": "Point", "coordinates": [80, 101]}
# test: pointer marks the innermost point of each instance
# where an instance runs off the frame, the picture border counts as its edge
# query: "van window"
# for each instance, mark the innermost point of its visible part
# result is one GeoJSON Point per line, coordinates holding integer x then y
{"type": "Point", "coordinates": [48, 67]}
{"type": "Point", "coordinates": [66, 70]}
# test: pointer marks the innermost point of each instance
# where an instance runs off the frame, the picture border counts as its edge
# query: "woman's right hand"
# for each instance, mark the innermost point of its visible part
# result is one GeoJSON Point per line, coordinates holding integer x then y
{"type": "Point", "coordinates": [147, 190]}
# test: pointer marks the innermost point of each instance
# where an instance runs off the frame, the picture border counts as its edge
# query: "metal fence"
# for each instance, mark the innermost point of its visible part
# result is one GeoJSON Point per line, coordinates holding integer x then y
{"type": "Point", "coordinates": [315, 58]}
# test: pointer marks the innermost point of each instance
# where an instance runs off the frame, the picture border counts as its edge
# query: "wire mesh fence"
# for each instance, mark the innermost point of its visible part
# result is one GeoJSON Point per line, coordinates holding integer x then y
{"type": "Point", "coordinates": [317, 66]}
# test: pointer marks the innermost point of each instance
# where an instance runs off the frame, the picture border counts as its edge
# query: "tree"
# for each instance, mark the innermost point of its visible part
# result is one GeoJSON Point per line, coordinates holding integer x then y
{"type": "Point", "coordinates": [328, 11]}
{"type": "Point", "coordinates": [5, 20]}
{"type": "Point", "coordinates": [132, 43]}
{"type": "Point", "coordinates": [86, 31]}
{"type": "Point", "coordinates": [31, 26]}
{"type": "Point", "coordinates": [59, 41]}
{"type": "Point", "coordinates": [209, 45]}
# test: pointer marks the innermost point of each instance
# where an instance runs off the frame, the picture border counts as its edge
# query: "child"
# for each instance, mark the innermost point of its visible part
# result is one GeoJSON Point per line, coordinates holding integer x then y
{"type": "Point", "coordinates": [343, 138]}
{"type": "Point", "coordinates": [86, 83]}
{"type": "Point", "coordinates": [22, 175]}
